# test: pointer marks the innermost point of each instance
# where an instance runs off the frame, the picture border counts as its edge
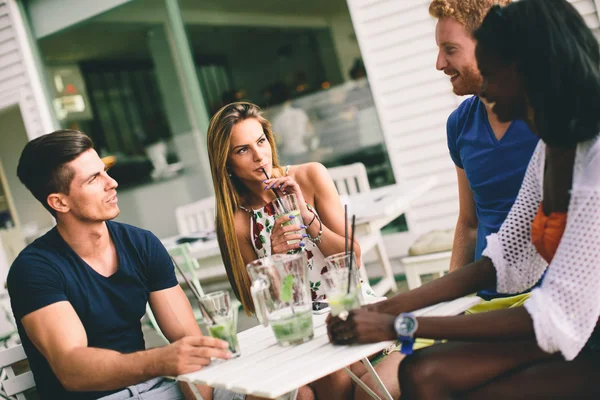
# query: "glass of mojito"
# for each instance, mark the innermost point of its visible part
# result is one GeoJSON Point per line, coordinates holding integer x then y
{"type": "Point", "coordinates": [218, 315]}
{"type": "Point", "coordinates": [341, 261]}
{"type": "Point", "coordinates": [342, 294]}
{"type": "Point", "coordinates": [288, 206]}
{"type": "Point", "coordinates": [281, 295]}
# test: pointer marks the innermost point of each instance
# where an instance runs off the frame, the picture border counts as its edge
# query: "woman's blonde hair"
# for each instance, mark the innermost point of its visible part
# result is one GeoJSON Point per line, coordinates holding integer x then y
{"type": "Point", "coordinates": [230, 192]}
{"type": "Point", "coordinates": [469, 13]}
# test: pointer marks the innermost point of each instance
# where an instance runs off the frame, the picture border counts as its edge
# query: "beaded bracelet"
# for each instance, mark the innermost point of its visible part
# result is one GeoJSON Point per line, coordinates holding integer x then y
{"type": "Point", "coordinates": [317, 238]}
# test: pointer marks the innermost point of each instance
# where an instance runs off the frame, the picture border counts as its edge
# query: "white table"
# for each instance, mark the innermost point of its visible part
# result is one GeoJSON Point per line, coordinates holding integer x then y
{"type": "Point", "coordinates": [268, 370]}
{"type": "Point", "coordinates": [373, 210]}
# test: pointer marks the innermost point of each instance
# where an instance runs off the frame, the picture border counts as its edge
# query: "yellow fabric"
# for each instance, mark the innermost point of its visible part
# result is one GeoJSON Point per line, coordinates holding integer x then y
{"type": "Point", "coordinates": [499, 304]}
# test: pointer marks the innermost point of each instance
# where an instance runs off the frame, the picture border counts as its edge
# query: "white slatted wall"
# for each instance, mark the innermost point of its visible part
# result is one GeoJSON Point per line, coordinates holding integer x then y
{"type": "Point", "coordinates": [19, 78]}
{"type": "Point", "coordinates": [590, 12]}
{"type": "Point", "coordinates": [413, 99]}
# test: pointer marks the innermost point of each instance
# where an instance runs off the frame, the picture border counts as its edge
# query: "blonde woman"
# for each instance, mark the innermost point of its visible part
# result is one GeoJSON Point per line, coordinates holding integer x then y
{"type": "Point", "coordinates": [240, 147]}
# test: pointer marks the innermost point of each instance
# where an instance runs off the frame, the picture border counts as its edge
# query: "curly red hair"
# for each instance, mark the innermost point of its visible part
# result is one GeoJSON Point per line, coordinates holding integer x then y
{"type": "Point", "coordinates": [469, 13]}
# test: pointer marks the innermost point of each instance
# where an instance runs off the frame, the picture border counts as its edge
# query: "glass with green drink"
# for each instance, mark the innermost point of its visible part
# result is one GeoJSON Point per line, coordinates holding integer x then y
{"type": "Point", "coordinates": [338, 295]}
{"type": "Point", "coordinates": [219, 317]}
{"type": "Point", "coordinates": [281, 295]}
{"type": "Point", "coordinates": [288, 206]}
{"type": "Point", "coordinates": [336, 280]}
{"type": "Point", "coordinates": [341, 261]}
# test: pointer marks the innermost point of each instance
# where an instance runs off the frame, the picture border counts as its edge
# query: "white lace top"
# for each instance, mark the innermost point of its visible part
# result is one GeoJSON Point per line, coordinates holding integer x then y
{"type": "Point", "coordinates": [565, 308]}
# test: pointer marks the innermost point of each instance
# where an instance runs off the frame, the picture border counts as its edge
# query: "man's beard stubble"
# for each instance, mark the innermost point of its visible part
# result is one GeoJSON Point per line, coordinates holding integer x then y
{"type": "Point", "coordinates": [468, 82]}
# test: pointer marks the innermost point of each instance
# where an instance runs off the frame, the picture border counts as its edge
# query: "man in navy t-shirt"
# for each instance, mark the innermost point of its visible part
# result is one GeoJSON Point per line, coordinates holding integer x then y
{"type": "Point", "coordinates": [78, 292]}
{"type": "Point", "coordinates": [490, 156]}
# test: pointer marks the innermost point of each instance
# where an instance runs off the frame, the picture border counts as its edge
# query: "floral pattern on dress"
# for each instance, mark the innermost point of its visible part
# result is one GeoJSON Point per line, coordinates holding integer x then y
{"type": "Point", "coordinates": [261, 226]}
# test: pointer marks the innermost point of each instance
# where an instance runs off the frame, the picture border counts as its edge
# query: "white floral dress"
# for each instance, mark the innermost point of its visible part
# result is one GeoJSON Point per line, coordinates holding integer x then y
{"type": "Point", "coordinates": [261, 226]}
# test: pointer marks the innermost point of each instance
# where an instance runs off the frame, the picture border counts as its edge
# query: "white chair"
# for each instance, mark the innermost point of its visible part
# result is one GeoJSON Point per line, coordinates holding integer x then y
{"type": "Point", "coordinates": [433, 263]}
{"type": "Point", "coordinates": [350, 180]}
{"type": "Point", "coordinates": [429, 254]}
{"type": "Point", "coordinates": [14, 386]}
{"type": "Point", "coordinates": [196, 217]}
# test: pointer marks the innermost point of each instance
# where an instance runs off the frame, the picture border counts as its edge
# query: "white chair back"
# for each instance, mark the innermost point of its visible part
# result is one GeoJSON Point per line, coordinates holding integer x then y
{"type": "Point", "coordinates": [196, 217]}
{"type": "Point", "coordinates": [13, 385]}
{"type": "Point", "coordinates": [350, 179]}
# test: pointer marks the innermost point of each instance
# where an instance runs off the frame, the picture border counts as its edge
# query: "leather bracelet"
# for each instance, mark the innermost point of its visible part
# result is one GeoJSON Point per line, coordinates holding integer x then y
{"type": "Point", "coordinates": [317, 238]}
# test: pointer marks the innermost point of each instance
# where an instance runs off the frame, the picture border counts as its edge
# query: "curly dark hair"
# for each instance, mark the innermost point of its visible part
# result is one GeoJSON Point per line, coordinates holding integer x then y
{"type": "Point", "coordinates": [558, 58]}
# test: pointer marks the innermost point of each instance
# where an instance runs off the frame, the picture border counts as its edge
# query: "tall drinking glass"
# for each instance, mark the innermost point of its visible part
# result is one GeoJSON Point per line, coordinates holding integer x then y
{"type": "Point", "coordinates": [288, 206]}
{"type": "Point", "coordinates": [342, 261]}
{"type": "Point", "coordinates": [281, 294]}
{"type": "Point", "coordinates": [219, 318]}
{"type": "Point", "coordinates": [339, 295]}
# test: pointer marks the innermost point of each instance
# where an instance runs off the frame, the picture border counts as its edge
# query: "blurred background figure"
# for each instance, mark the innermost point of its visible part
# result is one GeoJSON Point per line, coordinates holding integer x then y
{"type": "Point", "coordinates": [291, 125]}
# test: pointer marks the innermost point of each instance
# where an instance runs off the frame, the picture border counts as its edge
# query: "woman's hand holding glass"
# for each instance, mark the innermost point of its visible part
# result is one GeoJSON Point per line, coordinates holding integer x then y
{"type": "Point", "coordinates": [282, 234]}
{"type": "Point", "coordinates": [286, 185]}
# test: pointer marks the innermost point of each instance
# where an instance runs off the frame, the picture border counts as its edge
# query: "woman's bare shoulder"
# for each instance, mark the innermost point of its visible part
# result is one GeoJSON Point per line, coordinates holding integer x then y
{"type": "Point", "coordinates": [308, 172]}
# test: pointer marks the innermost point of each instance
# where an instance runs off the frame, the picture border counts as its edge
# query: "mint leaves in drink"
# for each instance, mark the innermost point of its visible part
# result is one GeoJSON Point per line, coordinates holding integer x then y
{"type": "Point", "coordinates": [286, 288]}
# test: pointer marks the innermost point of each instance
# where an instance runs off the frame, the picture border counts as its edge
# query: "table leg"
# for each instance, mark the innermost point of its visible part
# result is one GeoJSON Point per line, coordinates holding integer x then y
{"type": "Point", "coordinates": [360, 383]}
{"type": "Point", "coordinates": [373, 373]}
{"type": "Point", "coordinates": [195, 391]}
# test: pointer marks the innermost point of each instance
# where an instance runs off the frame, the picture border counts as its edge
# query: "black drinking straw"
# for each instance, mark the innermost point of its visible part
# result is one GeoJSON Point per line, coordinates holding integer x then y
{"type": "Point", "coordinates": [346, 229]}
{"type": "Point", "coordinates": [193, 289]}
{"type": "Point", "coordinates": [351, 252]}
{"type": "Point", "coordinates": [276, 194]}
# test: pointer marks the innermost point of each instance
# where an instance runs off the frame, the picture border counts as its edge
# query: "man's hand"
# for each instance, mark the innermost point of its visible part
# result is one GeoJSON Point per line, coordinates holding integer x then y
{"type": "Point", "coordinates": [361, 326]}
{"type": "Point", "coordinates": [190, 354]}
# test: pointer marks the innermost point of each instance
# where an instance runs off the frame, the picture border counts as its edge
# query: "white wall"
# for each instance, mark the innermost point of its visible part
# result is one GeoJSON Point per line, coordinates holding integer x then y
{"type": "Point", "coordinates": [413, 100]}
{"type": "Point", "coordinates": [24, 107]}
{"type": "Point", "coordinates": [51, 16]}
{"type": "Point", "coordinates": [13, 138]}
{"type": "Point", "coordinates": [20, 82]}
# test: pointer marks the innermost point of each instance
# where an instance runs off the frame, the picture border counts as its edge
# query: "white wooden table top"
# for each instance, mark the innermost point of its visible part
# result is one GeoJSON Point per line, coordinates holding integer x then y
{"type": "Point", "coordinates": [268, 370]}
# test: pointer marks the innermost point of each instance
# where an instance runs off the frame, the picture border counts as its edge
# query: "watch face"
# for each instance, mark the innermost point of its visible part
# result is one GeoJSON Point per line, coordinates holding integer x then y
{"type": "Point", "coordinates": [406, 325]}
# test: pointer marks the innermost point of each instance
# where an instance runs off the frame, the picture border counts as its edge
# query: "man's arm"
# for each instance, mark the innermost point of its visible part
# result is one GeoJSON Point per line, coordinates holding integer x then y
{"type": "Point", "coordinates": [59, 335]}
{"type": "Point", "coordinates": [465, 235]}
{"type": "Point", "coordinates": [173, 313]}
{"type": "Point", "coordinates": [176, 320]}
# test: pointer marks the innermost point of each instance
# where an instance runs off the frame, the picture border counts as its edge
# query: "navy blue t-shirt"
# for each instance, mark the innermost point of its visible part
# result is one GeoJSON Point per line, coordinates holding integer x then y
{"type": "Point", "coordinates": [494, 168]}
{"type": "Point", "coordinates": [110, 308]}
